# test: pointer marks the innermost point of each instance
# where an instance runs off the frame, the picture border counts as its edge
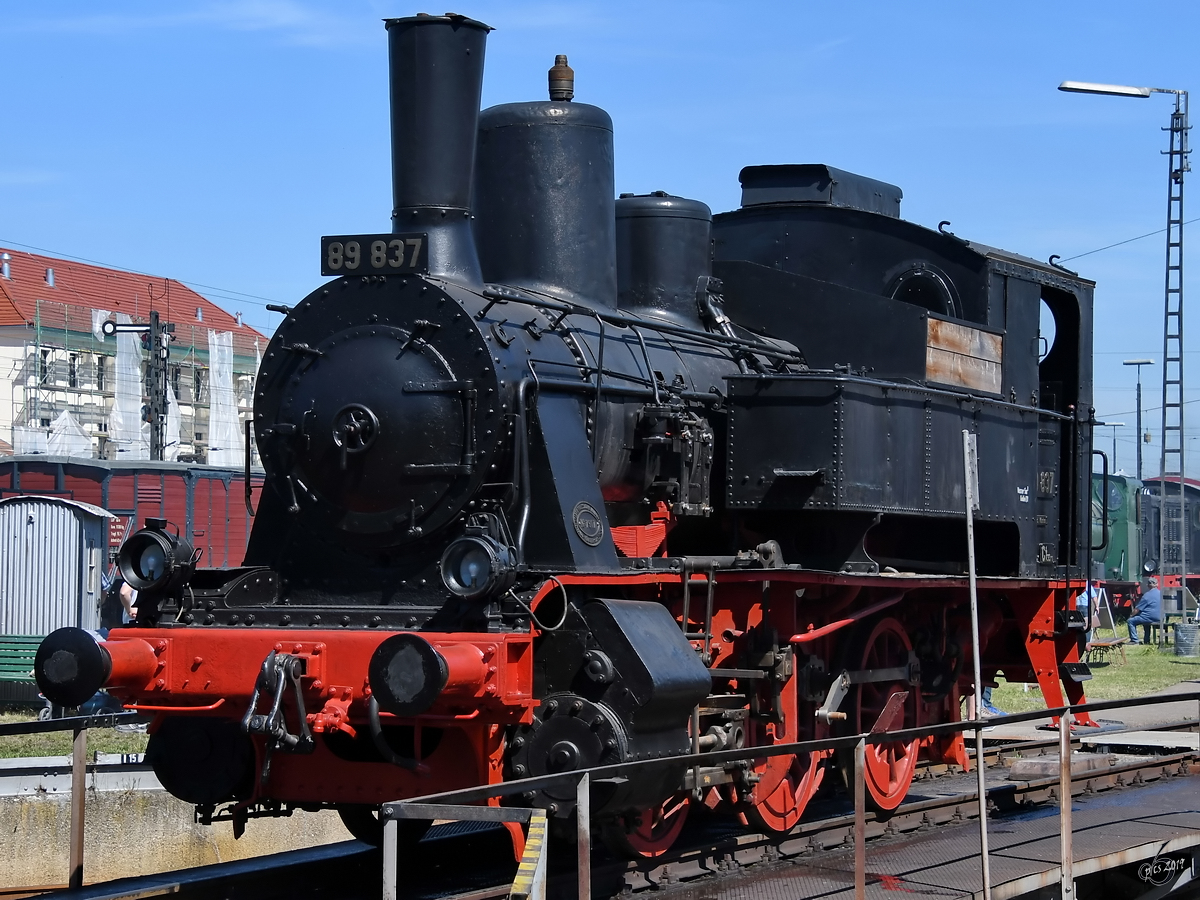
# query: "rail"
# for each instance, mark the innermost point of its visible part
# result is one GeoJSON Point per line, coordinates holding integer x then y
{"type": "Point", "coordinates": [451, 804]}
{"type": "Point", "coordinates": [68, 723]}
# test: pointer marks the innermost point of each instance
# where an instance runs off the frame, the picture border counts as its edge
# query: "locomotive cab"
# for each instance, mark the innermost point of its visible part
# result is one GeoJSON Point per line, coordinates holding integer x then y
{"type": "Point", "coordinates": [911, 336]}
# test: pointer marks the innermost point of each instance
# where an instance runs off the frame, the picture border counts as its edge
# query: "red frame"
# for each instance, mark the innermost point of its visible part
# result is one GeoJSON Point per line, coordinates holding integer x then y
{"type": "Point", "coordinates": [211, 671]}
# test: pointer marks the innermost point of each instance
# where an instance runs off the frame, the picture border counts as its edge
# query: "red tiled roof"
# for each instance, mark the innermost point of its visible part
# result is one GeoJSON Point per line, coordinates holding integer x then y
{"type": "Point", "coordinates": [82, 286]}
{"type": "Point", "coordinates": [9, 313]}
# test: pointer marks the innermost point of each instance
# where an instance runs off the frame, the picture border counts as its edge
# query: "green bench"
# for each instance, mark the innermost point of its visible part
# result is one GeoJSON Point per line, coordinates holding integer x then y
{"type": "Point", "coordinates": [16, 657]}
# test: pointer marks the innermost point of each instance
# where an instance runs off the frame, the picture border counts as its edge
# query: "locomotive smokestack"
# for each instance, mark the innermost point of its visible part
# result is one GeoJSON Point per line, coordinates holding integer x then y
{"type": "Point", "coordinates": [436, 77]}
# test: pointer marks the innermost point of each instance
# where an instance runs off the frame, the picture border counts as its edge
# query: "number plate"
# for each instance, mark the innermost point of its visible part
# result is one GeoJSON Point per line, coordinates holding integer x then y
{"type": "Point", "coordinates": [374, 254]}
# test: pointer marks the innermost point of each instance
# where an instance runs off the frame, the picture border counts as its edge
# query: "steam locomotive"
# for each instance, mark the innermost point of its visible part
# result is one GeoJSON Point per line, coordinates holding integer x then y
{"type": "Point", "coordinates": [558, 479]}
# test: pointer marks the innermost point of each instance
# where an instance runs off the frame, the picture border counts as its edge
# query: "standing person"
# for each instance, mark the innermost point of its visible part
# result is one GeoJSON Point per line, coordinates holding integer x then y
{"type": "Point", "coordinates": [1147, 610]}
{"type": "Point", "coordinates": [128, 603]}
{"type": "Point", "coordinates": [111, 607]}
{"type": "Point", "coordinates": [1087, 602]}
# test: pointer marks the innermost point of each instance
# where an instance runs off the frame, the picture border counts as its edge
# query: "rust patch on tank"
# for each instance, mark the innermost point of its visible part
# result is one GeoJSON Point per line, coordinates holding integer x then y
{"type": "Point", "coordinates": [962, 356]}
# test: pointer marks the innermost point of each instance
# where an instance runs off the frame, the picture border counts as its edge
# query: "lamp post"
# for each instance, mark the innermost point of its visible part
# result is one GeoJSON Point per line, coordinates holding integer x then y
{"type": "Point", "coordinates": [1173, 551]}
{"type": "Point", "coordinates": [1140, 439]}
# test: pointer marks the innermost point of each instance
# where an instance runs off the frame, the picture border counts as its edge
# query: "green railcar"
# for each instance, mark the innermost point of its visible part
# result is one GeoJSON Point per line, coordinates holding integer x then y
{"type": "Point", "coordinates": [1117, 553]}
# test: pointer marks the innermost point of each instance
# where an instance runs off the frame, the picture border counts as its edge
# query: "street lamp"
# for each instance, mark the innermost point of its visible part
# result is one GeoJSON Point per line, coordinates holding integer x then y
{"type": "Point", "coordinates": [1173, 552]}
{"type": "Point", "coordinates": [1140, 438]}
{"type": "Point", "coordinates": [1112, 90]}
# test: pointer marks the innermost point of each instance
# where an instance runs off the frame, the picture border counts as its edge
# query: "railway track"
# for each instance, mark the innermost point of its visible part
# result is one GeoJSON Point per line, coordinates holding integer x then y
{"type": "Point", "coordinates": [938, 800]}
{"type": "Point", "coordinates": [131, 771]}
{"type": "Point", "coordinates": [709, 847]}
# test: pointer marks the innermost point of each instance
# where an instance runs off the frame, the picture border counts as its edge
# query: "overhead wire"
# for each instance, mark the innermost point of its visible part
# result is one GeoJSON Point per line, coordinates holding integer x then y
{"type": "Point", "coordinates": [1130, 412]}
{"type": "Point", "coordinates": [1126, 241]}
{"type": "Point", "coordinates": [252, 298]}
{"type": "Point", "coordinates": [1145, 409]}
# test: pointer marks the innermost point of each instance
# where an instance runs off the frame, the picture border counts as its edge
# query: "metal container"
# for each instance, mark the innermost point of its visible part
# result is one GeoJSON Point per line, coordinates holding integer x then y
{"type": "Point", "coordinates": [51, 554]}
{"type": "Point", "coordinates": [1186, 639]}
{"type": "Point", "coordinates": [664, 246]}
{"type": "Point", "coordinates": [545, 200]}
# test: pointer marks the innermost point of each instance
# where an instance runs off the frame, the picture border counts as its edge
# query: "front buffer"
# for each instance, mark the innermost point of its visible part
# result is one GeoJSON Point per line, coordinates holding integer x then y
{"type": "Point", "coordinates": [355, 717]}
{"type": "Point", "coordinates": [308, 718]}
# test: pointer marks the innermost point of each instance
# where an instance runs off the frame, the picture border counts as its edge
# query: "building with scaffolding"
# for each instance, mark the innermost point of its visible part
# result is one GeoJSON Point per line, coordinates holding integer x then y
{"type": "Point", "coordinates": [68, 389]}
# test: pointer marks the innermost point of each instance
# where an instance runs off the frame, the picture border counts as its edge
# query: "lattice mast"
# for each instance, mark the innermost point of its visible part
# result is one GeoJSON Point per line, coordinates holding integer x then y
{"type": "Point", "coordinates": [1172, 533]}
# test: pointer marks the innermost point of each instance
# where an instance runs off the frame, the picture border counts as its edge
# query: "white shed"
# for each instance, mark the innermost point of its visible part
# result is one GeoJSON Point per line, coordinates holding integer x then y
{"type": "Point", "coordinates": [52, 551]}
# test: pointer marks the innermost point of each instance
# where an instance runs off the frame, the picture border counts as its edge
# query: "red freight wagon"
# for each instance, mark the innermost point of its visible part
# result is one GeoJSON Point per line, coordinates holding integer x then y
{"type": "Point", "coordinates": [207, 503]}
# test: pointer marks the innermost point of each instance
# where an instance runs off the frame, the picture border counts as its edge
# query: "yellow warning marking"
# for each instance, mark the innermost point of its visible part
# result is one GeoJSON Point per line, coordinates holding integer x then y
{"type": "Point", "coordinates": [527, 871]}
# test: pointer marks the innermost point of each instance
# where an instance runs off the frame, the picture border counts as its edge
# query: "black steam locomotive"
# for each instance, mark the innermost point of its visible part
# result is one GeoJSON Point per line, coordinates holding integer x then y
{"type": "Point", "coordinates": [559, 479]}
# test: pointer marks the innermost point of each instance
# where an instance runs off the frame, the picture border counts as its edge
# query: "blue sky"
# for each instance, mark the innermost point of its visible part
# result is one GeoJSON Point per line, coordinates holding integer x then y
{"type": "Point", "coordinates": [215, 142]}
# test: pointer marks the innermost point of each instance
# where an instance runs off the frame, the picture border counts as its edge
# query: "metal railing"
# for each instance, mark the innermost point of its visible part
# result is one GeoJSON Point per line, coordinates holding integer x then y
{"type": "Point", "coordinates": [69, 723]}
{"type": "Point", "coordinates": [456, 804]}
{"type": "Point", "coordinates": [531, 881]}
{"type": "Point", "coordinates": [79, 725]}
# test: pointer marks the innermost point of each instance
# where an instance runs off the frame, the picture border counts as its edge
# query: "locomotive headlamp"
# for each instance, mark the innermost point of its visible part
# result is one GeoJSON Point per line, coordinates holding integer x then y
{"type": "Point", "coordinates": [156, 560]}
{"type": "Point", "coordinates": [477, 565]}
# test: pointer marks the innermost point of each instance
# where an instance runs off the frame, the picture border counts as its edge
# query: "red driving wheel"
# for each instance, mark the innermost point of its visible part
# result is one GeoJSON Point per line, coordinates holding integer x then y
{"type": "Point", "coordinates": [889, 766]}
{"type": "Point", "coordinates": [649, 833]}
{"type": "Point", "coordinates": [784, 784]}
{"type": "Point", "coordinates": [778, 808]}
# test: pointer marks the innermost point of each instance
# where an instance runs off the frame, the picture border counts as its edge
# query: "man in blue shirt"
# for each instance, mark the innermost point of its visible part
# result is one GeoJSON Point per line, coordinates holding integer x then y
{"type": "Point", "coordinates": [1147, 610]}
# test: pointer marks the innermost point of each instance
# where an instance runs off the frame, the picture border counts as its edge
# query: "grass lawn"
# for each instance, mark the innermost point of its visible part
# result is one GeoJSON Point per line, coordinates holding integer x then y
{"type": "Point", "coordinates": [1147, 672]}
{"type": "Point", "coordinates": [58, 743]}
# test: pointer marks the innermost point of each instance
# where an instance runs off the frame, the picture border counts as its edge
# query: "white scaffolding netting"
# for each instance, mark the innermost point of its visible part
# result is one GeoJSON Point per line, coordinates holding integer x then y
{"type": "Point", "coordinates": [171, 435]}
{"type": "Point", "coordinates": [125, 431]}
{"type": "Point", "coordinates": [99, 317]}
{"type": "Point", "coordinates": [27, 441]}
{"type": "Point", "coordinates": [224, 434]}
{"type": "Point", "coordinates": [67, 437]}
